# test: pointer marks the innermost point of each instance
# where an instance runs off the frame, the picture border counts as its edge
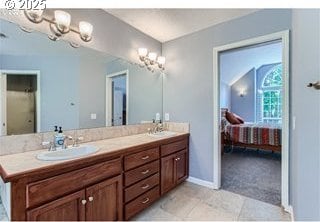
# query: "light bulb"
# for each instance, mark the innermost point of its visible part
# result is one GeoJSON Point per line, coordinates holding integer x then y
{"type": "Point", "coordinates": [85, 29]}
{"type": "Point", "coordinates": [63, 20]}
{"type": "Point", "coordinates": [34, 15]}
{"type": "Point", "coordinates": [143, 52]}
{"type": "Point", "coordinates": [161, 60]}
{"type": "Point", "coordinates": [152, 56]}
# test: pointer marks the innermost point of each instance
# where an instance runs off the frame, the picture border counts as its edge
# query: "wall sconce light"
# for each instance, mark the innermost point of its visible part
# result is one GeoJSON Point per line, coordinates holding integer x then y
{"type": "Point", "coordinates": [150, 59]}
{"type": "Point", "coordinates": [242, 92]}
{"type": "Point", "coordinates": [60, 25]}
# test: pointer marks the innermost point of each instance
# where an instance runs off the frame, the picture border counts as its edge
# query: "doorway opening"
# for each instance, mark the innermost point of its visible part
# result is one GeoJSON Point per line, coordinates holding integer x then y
{"type": "Point", "coordinates": [19, 102]}
{"type": "Point", "coordinates": [117, 99]}
{"type": "Point", "coordinates": [251, 118]}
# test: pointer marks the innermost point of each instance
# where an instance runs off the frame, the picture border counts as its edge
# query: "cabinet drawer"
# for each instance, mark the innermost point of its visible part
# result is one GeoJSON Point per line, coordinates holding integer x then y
{"type": "Point", "coordinates": [140, 158]}
{"type": "Point", "coordinates": [173, 147]}
{"type": "Point", "coordinates": [141, 202]}
{"type": "Point", "coordinates": [141, 187]}
{"type": "Point", "coordinates": [54, 187]}
{"type": "Point", "coordinates": [140, 173]}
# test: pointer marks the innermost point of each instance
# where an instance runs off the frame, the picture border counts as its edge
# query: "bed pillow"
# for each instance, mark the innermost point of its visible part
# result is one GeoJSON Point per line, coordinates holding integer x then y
{"type": "Point", "coordinates": [239, 118]}
{"type": "Point", "coordinates": [232, 118]}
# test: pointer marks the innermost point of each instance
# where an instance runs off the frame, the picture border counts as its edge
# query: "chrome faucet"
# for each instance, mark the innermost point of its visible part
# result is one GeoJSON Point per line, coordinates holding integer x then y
{"type": "Point", "coordinates": [75, 142]}
{"type": "Point", "coordinates": [158, 127]}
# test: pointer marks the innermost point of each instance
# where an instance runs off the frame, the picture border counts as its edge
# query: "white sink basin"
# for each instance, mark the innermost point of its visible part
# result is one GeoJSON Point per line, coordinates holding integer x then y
{"type": "Point", "coordinates": [162, 134]}
{"type": "Point", "coordinates": [69, 153]}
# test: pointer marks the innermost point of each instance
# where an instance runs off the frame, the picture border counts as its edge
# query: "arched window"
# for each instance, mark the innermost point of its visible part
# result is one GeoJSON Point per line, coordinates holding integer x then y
{"type": "Point", "coordinates": [271, 100]}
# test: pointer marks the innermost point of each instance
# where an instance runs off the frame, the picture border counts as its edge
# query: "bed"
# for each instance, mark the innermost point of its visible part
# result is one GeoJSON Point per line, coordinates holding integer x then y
{"type": "Point", "coordinates": [254, 135]}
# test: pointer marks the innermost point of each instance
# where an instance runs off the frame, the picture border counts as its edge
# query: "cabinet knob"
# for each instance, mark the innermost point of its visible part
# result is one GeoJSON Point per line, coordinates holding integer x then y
{"type": "Point", "coordinates": [145, 157]}
{"type": "Point", "coordinates": [145, 172]}
{"type": "Point", "coordinates": [177, 159]}
{"type": "Point", "coordinates": [90, 199]}
{"type": "Point", "coordinates": [83, 202]}
{"type": "Point", "coordinates": [145, 186]}
{"type": "Point", "coordinates": [145, 200]}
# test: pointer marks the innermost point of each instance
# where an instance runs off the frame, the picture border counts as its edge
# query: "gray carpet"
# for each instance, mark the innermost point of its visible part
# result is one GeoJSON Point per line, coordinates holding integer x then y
{"type": "Point", "coordinates": [253, 174]}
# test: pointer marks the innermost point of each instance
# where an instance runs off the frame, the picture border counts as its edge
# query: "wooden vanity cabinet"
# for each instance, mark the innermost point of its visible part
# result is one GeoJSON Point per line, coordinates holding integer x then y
{"type": "Point", "coordinates": [174, 167]}
{"type": "Point", "coordinates": [106, 187]}
{"type": "Point", "coordinates": [68, 208]}
{"type": "Point", "coordinates": [102, 201]}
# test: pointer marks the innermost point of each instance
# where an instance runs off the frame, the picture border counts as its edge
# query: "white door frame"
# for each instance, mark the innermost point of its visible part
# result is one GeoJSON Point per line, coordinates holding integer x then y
{"type": "Point", "coordinates": [284, 37]}
{"type": "Point", "coordinates": [38, 93]}
{"type": "Point", "coordinates": [109, 95]}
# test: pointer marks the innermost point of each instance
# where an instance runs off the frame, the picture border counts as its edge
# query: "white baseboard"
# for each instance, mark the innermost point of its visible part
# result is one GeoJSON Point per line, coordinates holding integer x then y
{"type": "Point", "coordinates": [289, 209]}
{"type": "Point", "coordinates": [201, 182]}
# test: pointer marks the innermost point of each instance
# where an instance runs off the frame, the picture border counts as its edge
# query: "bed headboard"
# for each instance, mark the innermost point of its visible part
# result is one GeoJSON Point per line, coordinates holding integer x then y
{"type": "Point", "coordinates": [223, 112]}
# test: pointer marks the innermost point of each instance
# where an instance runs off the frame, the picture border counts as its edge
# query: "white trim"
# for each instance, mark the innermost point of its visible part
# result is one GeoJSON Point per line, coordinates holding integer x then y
{"type": "Point", "coordinates": [290, 211]}
{"type": "Point", "coordinates": [38, 93]}
{"type": "Point", "coordinates": [284, 37]}
{"type": "Point", "coordinates": [200, 182]}
{"type": "Point", "coordinates": [108, 95]}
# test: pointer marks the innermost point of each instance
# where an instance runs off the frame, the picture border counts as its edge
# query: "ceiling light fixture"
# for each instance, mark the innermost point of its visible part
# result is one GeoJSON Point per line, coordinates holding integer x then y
{"type": "Point", "coordinates": [150, 59]}
{"type": "Point", "coordinates": [61, 25]}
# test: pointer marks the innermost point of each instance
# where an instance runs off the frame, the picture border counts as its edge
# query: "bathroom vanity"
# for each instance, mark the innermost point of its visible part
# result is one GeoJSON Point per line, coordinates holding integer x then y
{"type": "Point", "coordinates": [124, 177]}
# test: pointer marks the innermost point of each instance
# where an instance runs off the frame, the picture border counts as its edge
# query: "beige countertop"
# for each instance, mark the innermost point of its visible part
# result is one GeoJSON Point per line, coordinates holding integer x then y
{"type": "Point", "coordinates": [20, 163]}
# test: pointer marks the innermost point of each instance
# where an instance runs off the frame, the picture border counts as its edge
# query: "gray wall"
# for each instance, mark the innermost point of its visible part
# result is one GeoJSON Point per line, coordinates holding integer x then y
{"type": "Point", "coordinates": [59, 83]}
{"type": "Point", "coordinates": [188, 85]}
{"type": "Point", "coordinates": [244, 106]}
{"type": "Point", "coordinates": [225, 95]}
{"type": "Point", "coordinates": [92, 91]}
{"type": "Point", "coordinates": [305, 103]}
{"type": "Point", "coordinates": [145, 91]}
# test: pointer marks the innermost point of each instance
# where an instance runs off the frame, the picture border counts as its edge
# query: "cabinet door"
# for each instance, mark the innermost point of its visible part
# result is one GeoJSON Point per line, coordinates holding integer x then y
{"type": "Point", "coordinates": [181, 166]}
{"type": "Point", "coordinates": [168, 172]}
{"type": "Point", "coordinates": [105, 200]}
{"type": "Point", "coordinates": [68, 208]}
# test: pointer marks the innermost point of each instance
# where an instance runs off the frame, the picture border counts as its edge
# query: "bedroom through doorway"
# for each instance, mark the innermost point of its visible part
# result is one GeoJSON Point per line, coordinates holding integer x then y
{"type": "Point", "coordinates": [252, 114]}
{"type": "Point", "coordinates": [251, 105]}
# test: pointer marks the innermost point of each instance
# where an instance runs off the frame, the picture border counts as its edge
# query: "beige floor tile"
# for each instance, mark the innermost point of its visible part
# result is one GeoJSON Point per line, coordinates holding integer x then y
{"type": "Point", "coordinates": [204, 212]}
{"type": "Point", "coordinates": [179, 205]}
{"type": "Point", "coordinates": [155, 214]}
{"type": "Point", "coordinates": [192, 190]}
{"type": "Point", "coordinates": [258, 210]}
{"type": "Point", "coordinates": [225, 201]}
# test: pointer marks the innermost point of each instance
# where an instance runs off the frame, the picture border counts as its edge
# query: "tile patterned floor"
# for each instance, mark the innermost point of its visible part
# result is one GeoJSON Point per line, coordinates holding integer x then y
{"type": "Point", "coordinates": [193, 202]}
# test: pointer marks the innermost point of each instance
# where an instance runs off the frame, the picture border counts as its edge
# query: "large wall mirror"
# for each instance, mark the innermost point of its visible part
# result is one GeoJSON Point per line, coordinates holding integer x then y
{"type": "Point", "coordinates": [46, 83]}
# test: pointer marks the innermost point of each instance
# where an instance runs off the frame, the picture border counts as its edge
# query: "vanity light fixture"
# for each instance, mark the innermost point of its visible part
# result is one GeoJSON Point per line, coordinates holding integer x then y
{"type": "Point", "coordinates": [60, 25]}
{"type": "Point", "coordinates": [150, 59]}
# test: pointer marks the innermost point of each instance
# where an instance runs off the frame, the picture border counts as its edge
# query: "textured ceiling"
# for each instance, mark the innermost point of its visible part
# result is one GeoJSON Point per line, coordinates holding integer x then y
{"type": "Point", "coordinates": [167, 24]}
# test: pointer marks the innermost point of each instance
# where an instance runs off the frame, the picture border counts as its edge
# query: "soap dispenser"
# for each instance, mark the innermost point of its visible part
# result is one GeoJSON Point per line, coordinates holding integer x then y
{"type": "Point", "coordinates": [59, 138]}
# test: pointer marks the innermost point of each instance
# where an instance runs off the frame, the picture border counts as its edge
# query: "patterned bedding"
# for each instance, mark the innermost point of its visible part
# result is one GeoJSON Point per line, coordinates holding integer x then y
{"type": "Point", "coordinates": [253, 133]}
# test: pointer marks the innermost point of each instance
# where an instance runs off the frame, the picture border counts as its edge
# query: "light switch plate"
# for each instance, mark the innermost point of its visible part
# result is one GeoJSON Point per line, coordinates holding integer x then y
{"type": "Point", "coordinates": [166, 117]}
{"type": "Point", "coordinates": [93, 116]}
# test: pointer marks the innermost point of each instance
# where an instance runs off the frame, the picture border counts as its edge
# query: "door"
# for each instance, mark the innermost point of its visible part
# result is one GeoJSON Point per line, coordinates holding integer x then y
{"type": "Point", "coordinates": [20, 112]}
{"type": "Point", "coordinates": [181, 166]}
{"type": "Point", "coordinates": [105, 200]}
{"type": "Point", "coordinates": [168, 172]}
{"type": "Point", "coordinates": [117, 112]}
{"type": "Point", "coordinates": [3, 103]}
{"type": "Point", "coordinates": [68, 208]}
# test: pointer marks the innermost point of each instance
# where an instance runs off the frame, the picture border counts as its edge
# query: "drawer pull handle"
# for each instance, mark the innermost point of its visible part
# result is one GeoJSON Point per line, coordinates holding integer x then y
{"type": "Point", "coordinates": [145, 186]}
{"type": "Point", "coordinates": [145, 172]}
{"type": "Point", "coordinates": [145, 157]}
{"type": "Point", "coordinates": [145, 201]}
{"type": "Point", "coordinates": [90, 199]}
{"type": "Point", "coordinates": [177, 159]}
{"type": "Point", "coordinates": [83, 202]}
